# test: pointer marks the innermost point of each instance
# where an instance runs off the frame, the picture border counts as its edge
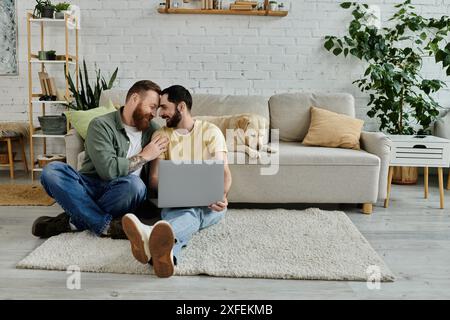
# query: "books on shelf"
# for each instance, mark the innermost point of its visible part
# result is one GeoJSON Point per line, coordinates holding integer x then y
{"type": "Point", "coordinates": [252, 3]}
{"type": "Point", "coordinates": [52, 90]}
{"type": "Point", "coordinates": [240, 7]}
{"type": "Point", "coordinates": [48, 85]}
{"type": "Point", "coordinates": [43, 80]}
{"type": "Point", "coordinates": [207, 4]}
{"type": "Point", "coordinates": [243, 5]}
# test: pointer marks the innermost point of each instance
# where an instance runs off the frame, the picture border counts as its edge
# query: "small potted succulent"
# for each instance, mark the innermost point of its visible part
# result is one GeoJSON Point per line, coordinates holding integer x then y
{"type": "Point", "coordinates": [44, 9]}
{"type": "Point", "coordinates": [61, 8]}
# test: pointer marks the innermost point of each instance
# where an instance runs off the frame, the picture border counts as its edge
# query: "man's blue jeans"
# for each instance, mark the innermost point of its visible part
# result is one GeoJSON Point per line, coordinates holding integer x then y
{"type": "Point", "coordinates": [186, 222]}
{"type": "Point", "coordinates": [91, 202]}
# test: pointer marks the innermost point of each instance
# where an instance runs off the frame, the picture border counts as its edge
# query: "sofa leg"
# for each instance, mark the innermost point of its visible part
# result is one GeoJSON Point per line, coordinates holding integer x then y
{"type": "Point", "coordinates": [448, 181]}
{"type": "Point", "coordinates": [367, 208]}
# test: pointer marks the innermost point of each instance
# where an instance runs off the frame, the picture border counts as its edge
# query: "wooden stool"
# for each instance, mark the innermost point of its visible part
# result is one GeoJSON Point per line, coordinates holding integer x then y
{"type": "Point", "coordinates": [11, 161]}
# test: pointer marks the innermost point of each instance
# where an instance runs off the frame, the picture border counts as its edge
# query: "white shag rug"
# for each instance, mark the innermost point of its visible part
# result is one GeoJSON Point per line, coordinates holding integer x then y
{"type": "Point", "coordinates": [276, 244]}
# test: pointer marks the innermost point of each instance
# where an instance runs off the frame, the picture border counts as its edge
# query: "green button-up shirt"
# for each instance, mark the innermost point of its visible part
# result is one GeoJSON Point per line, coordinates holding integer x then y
{"type": "Point", "coordinates": [107, 144]}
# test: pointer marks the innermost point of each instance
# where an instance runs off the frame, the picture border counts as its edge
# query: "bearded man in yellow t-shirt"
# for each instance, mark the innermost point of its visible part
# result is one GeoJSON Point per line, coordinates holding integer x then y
{"type": "Point", "coordinates": [189, 140]}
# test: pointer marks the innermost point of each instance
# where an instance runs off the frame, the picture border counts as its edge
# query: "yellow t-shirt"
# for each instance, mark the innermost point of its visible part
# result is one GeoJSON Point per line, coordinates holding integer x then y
{"type": "Point", "coordinates": [201, 143]}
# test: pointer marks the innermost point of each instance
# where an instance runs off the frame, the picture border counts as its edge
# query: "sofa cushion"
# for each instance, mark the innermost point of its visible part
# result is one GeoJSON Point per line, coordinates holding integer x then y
{"type": "Point", "coordinates": [290, 112]}
{"type": "Point", "coordinates": [220, 105]}
{"type": "Point", "coordinates": [206, 104]}
{"type": "Point", "coordinates": [294, 153]}
{"type": "Point", "coordinates": [116, 96]}
{"type": "Point", "coordinates": [334, 130]}
{"type": "Point", "coordinates": [80, 160]}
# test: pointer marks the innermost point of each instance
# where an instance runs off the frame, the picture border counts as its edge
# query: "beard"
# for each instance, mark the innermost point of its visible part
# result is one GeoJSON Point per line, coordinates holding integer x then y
{"type": "Point", "coordinates": [173, 121]}
{"type": "Point", "coordinates": [141, 118]}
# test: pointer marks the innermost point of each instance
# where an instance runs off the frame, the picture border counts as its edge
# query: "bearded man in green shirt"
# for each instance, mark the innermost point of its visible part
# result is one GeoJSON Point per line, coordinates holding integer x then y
{"type": "Point", "coordinates": [118, 145]}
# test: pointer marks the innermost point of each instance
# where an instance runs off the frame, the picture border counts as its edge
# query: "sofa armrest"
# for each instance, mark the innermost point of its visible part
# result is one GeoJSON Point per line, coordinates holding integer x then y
{"type": "Point", "coordinates": [379, 144]}
{"type": "Point", "coordinates": [442, 127]}
{"type": "Point", "coordinates": [74, 145]}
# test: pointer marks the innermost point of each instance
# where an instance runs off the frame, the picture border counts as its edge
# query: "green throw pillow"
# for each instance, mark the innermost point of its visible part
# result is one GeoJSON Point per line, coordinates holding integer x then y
{"type": "Point", "coordinates": [80, 119]}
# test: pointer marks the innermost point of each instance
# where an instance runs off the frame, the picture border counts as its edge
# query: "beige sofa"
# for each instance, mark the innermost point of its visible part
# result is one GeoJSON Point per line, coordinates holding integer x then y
{"type": "Point", "coordinates": [304, 174]}
{"type": "Point", "coordinates": [442, 130]}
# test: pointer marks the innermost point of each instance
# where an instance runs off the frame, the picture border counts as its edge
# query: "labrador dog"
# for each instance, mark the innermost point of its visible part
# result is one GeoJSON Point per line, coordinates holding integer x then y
{"type": "Point", "coordinates": [250, 131]}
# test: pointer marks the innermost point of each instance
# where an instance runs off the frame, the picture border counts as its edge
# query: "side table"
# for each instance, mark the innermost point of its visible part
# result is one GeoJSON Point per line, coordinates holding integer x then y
{"type": "Point", "coordinates": [419, 151]}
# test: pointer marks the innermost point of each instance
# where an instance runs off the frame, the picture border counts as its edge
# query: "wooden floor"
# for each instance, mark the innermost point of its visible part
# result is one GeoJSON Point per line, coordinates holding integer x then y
{"type": "Point", "coordinates": [413, 237]}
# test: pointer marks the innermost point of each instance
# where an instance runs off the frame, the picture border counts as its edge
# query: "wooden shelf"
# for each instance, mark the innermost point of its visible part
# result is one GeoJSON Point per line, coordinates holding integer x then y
{"type": "Point", "coordinates": [48, 102]}
{"type": "Point", "coordinates": [52, 61]}
{"type": "Point", "coordinates": [47, 20]}
{"type": "Point", "coordinates": [225, 12]}
{"type": "Point", "coordinates": [34, 63]}
{"type": "Point", "coordinates": [39, 134]}
{"type": "Point", "coordinates": [71, 20]}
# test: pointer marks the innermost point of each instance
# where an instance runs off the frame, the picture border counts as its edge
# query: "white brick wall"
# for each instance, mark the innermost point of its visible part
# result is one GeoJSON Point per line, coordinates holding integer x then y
{"type": "Point", "coordinates": [212, 54]}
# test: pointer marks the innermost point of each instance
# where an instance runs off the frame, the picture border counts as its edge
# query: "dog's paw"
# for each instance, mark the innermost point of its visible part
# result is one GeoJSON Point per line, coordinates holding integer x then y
{"type": "Point", "coordinates": [271, 150]}
{"type": "Point", "coordinates": [268, 149]}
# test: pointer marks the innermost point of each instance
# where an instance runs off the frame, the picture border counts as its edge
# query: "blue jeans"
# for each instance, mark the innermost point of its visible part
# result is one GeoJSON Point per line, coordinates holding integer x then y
{"type": "Point", "coordinates": [186, 222]}
{"type": "Point", "coordinates": [91, 202]}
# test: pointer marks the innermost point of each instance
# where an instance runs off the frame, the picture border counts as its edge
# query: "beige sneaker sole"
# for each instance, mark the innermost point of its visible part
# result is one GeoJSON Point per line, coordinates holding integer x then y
{"type": "Point", "coordinates": [161, 244]}
{"type": "Point", "coordinates": [133, 232]}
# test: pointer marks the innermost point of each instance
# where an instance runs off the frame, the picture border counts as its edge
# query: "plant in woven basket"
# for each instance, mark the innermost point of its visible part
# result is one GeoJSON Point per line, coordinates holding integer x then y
{"type": "Point", "coordinates": [400, 97]}
{"type": "Point", "coordinates": [88, 97]}
{"type": "Point", "coordinates": [43, 9]}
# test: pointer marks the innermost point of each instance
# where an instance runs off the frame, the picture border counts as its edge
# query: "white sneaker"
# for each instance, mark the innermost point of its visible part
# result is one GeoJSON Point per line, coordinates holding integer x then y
{"type": "Point", "coordinates": [139, 235]}
{"type": "Point", "coordinates": [161, 244]}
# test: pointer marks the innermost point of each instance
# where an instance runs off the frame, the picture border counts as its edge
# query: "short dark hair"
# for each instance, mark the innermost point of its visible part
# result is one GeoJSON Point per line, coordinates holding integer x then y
{"type": "Point", "coordinates": [141, 87]}
{"type": "Point", "coordinates": [177, 94]}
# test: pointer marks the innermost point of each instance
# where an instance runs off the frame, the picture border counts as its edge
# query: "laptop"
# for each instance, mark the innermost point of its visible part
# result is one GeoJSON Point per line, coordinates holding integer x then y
{"type": "Point", "coordinates": [189, 184]}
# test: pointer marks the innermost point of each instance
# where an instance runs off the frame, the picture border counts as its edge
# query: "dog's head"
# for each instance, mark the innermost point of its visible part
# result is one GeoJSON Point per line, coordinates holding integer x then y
{"type": "Point", "coordinates": [250, 128]}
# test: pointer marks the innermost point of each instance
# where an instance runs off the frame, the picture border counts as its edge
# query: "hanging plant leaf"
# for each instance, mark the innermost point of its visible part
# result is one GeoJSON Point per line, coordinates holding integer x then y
{"type": "Point", "coordinates": [329, 44]}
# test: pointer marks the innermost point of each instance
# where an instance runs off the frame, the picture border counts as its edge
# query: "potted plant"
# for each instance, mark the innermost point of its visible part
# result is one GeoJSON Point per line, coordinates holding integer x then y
{"type": "Point", "coordinates": [400, 96]}
{"type": "Point", "coordinates": [44, 9]}
{"type": "Point", "coordinates": [61, 8]}
{"type": "Point", "coordinates": [273, 5]}
{"type": "Point", "coordinates": [89, 97]}
{"type": "Point", "coordinates": [42, 55]}
{"type": "Point", "coordinates": [51, 55]}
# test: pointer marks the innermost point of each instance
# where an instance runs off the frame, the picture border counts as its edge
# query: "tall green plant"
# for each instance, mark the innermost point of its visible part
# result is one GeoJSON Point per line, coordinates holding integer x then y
{"type": "Point", "coordinates": [87, 97]}
{"type": "Point", "coordinates": [400, 97]}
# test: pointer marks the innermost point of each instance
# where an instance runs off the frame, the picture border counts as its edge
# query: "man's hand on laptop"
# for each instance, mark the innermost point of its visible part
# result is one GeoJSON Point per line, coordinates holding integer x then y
{"type": "Point", "coordinates": [157, 146]}
{"type": "Point", "coordinates": [219, 205]}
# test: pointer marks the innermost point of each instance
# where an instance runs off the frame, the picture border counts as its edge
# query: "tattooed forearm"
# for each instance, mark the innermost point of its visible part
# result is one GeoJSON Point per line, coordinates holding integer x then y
{"type": "Point", "coordinates": [135, 163]}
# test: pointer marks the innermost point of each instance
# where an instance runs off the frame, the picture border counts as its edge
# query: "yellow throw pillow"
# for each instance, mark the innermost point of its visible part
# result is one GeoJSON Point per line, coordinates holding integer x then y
{"type": "Point", "coordinates": [331, 129]}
